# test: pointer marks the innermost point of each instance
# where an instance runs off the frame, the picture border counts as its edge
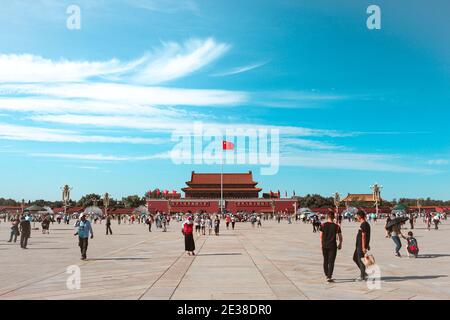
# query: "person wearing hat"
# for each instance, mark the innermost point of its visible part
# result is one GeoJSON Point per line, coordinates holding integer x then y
{"type": "Point", "coordinates": [84, 228]}
{"type": "Point", "coordinates": [188, 228]}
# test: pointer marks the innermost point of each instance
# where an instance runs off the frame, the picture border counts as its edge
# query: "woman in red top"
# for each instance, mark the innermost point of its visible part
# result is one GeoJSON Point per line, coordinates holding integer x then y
{"type": "Point", "coordinates": [188, 227]}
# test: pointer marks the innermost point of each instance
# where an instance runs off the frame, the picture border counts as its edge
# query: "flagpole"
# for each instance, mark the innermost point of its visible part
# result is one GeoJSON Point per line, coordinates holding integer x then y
{"type": "Point", "coordinates": [221, 185]}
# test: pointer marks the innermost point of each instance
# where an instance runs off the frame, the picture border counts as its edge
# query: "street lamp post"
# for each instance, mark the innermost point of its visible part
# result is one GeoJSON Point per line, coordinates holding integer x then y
{"type": "Point", "coordinates": [376, 189]}
{"type": "Point", "coordinates": [337, 202]}
{"type": "Point", "coordinates": [419, 206]}
{"type": "Point", "coordinates": [106, 203]}
{"type": "Point", "coordinates": [65, 198]}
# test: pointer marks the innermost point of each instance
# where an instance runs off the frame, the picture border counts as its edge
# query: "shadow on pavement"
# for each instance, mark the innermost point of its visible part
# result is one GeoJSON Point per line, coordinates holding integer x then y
{"type": "Point", "coordinates": [405, 278]}
{"type": "Point", "coordinates": [430, 256]}
{"type": "Point", "coordinates": [118, 259]}
{"type": "Point", "coordinates": [219, 254]}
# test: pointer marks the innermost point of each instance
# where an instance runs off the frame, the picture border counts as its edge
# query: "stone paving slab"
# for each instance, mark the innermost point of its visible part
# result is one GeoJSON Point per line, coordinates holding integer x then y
{"type": "Point", "coordinates": [277, 261]}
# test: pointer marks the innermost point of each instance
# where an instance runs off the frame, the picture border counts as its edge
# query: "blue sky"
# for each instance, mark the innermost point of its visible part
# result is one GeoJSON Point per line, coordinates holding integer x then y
{"type": "Point", "coordinates": [95, 108]}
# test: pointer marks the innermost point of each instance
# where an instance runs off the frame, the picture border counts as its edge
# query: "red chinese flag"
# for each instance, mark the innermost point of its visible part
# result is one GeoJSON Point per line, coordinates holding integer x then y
{"type": "Point", "coordinates": [227, 145]}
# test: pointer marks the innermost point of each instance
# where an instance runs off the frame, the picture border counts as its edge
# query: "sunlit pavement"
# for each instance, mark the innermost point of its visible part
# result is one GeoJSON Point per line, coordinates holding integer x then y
{"type": "Point", "coordinates": [278, 261]}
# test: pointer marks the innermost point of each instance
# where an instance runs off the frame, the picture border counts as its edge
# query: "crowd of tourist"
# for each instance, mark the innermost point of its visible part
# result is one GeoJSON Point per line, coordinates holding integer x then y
{"type": "Point", "coordinates": [205, 224]}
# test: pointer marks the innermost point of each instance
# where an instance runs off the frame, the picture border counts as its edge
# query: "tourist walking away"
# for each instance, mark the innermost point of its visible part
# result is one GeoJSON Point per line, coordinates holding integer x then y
{"type": "Point", "coordinates": [187, 230]}
{"type": "Point", "coordinates": [258, 221]}
{"type": "Point", "coordinates": [227, 221]}
{"type": "Point", "coordinates": [108, 225]}
{"type": "Point", "coordinates": [413, 246]}
{"type": "Point", "coordinates": [25, 231]}
{"type": "Point", "coordinates": [362, 244]}
{"type": "Point", "coordinates": [14, 230]}
{"type": "Point", "coordinates": [216, 225]}
{"type": "Point", "coordinates": [84, 229]}
{"type": "Point", "coordinates": [233, 222]}
{"type": "Point", "coordinates": [328, 238]}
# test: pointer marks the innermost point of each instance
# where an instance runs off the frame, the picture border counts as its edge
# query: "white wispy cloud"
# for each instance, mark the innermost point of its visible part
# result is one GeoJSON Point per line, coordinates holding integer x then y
{"type": "Point", "coordinates": [350, 161]}
{"type": "Point", "coordinates": [299, 158]}
{"type": "Point", "coordinates": [240, 69]}
{"type": "Point", "coordinates": [39, 134]}
{"type": "Point", "coordinates": [311, 144]}
{"type": "Point", "coordinates": [93, 157]}
{"type": "Point", "coordinates": [438, 162]}
{"type": "Point", "coordinates": [41, 105]}
{"type": "Point", "coordinates": [129, 94]}
{"type": "Point", "coordinates": [27, 68]}
{"type": "Point", "coordinates": [165, 6]}
{"type": "Point", "coordinates": [294, 99]}
{"type": "Point", "coordinates": [172, 61]}
{"type": "Point", "coordinates": [176, 60]}
{"type": "Point", "coordinates": [164, 124]}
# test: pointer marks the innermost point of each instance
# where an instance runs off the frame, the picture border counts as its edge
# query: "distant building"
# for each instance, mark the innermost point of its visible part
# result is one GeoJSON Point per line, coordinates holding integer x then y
{"type": "Point", "coordinates": [360, 197]}
{"type": "Point", "coordinates": [240, 193]}
{"type": "Point", "coordinates": [208, 186]}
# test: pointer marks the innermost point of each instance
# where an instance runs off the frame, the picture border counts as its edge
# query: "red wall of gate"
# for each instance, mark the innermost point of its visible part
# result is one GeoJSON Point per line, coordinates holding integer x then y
{"type": "Point", "coordinates": [212, 206]}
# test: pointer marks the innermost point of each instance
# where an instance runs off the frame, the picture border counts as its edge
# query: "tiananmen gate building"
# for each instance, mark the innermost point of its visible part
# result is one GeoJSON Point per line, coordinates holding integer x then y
{"type": "Point", "coordinates": [240, 193]}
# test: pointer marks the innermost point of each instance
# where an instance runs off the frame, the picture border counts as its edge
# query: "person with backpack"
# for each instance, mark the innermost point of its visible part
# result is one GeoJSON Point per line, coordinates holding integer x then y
{"type": "Point", "coordinates": [413, 246]}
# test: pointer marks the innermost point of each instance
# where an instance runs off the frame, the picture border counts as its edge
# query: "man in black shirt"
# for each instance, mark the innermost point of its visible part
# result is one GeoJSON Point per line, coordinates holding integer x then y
{"type": "Point", "coordinates": [328, 234]}
{"type": "Point", "coordinates": [362, 244]}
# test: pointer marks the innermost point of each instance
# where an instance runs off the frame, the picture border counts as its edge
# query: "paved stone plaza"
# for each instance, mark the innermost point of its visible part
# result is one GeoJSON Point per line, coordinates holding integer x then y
{"type": "Point", "coordinates": [279, 261]}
